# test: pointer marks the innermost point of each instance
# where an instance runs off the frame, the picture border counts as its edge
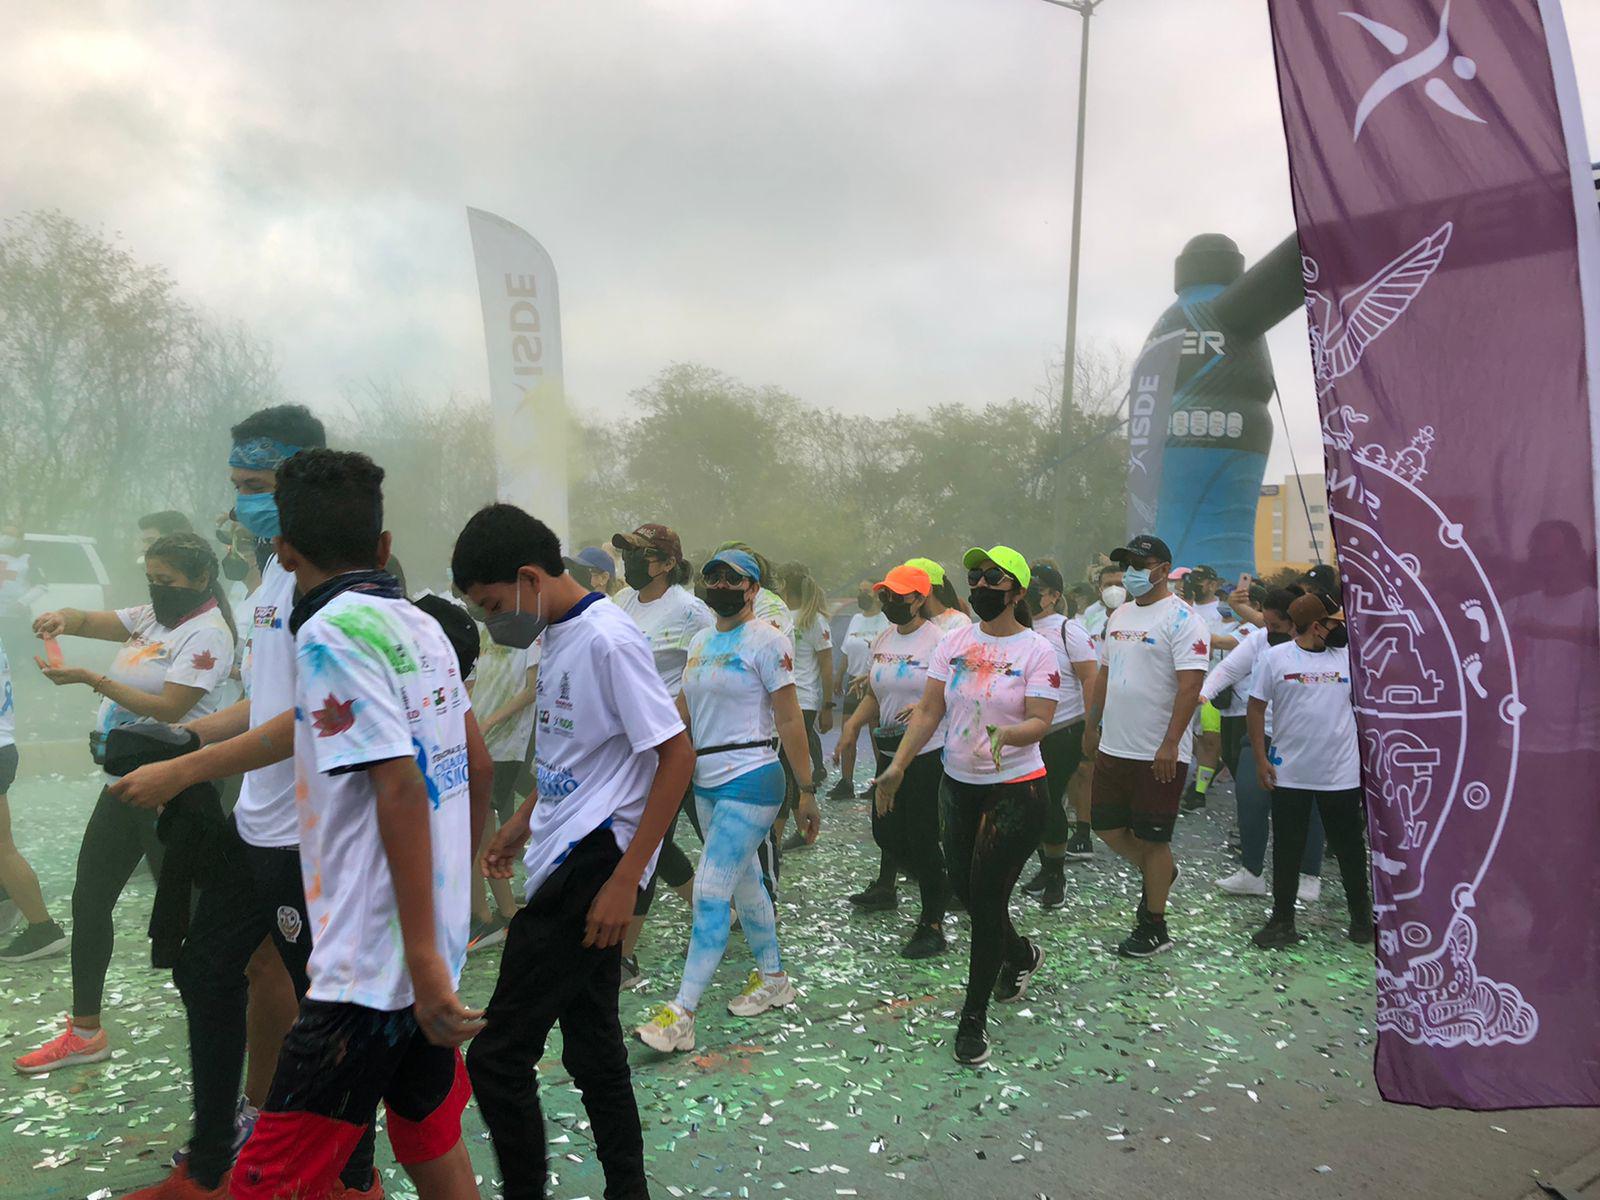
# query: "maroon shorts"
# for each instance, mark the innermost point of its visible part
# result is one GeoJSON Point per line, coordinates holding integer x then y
{"type": "Point", "coordinates": [1127, 795]}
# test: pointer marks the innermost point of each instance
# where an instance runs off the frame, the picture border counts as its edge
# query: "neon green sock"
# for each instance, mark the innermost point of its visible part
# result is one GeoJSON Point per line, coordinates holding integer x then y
{"type": "Point", "coordinates": [1202, 779]}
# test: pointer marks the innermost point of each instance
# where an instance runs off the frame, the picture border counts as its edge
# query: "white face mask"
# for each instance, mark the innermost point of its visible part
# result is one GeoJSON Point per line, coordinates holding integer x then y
{"type": "Point", "coordinates": [1113, 597]}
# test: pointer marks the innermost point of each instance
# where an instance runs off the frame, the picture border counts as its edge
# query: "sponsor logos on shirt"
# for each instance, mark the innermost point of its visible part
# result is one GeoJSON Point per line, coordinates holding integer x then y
{"type": "Point", "coordinates": [267, 617]}
{"type": "Point", "coordinates": [1130, 635]}
{"type": "Point", "coordinates": [1312, 677]}
{"type": "Point", "coordinates": [555, 783]}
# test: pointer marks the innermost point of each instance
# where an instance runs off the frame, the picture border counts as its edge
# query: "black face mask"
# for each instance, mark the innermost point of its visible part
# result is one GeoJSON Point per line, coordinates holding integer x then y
{"type": "Point", "coordinates": [865, 603]}
{"type": "Point", "coordinates": [173, 604]}
{"type": "Point", "coordinates": [988, 603]}
{"type": "Point", "coordinates": [1337, 637]}
{"type": "Point", "coordinates": [726, 601]}
{"type": "Point", "coordinates": [234, 567]}
{"type": "Point", "coordinates": [636, 572]}
{"type": "Point", "coordinates": [1277, 639]}
{"type": "Point", "coordinates": [898, 610]}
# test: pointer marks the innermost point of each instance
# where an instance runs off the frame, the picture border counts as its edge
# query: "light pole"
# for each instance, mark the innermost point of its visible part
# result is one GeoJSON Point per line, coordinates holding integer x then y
{"type": "Point", "coordinates": [1084, 9]}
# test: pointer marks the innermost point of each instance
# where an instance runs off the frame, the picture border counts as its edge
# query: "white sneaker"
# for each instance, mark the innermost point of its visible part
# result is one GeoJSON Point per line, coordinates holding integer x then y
{"type": "Point", "coordinates": [1310, 889]}
{"type": "Point", "coordinates": [762, 993]}
{"type": "Point", "coordinates": [1243, 883]}
{"type": "Point", "coordinates": [668, 1030]}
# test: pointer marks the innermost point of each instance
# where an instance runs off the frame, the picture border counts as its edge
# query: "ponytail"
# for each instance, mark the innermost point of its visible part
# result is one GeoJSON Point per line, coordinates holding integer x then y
{"type": "Point", "coordinates": [795, 578]}
{"type": "Point", "coordinates": [1024, 614]}
{"type": "Point", "coordinates": [193, 555]}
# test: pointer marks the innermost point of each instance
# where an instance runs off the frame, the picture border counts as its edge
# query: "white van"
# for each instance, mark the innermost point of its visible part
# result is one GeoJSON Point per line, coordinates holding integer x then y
{"type": "Point", "coordinates": [74, 576]}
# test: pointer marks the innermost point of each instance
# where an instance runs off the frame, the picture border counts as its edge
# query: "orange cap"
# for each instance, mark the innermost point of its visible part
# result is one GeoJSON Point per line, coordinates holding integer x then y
{"type": "Point", "coordinates": [903, 581]}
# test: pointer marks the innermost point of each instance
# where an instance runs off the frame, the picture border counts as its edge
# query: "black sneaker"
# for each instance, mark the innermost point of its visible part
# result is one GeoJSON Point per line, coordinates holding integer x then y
{"type": "Point", "coordinates": [1080, 845]}
{"type": "Point", "coordinates": [43, 940]}
{"type": "Point", "coordinates": [1142, 913]}
{"type": "Point", "coordinates": [1037, 884]}
{"type": "Point", "coordinates": [1146, 941]}
{"type": "Point", "coordinates": [1055, 892]}
{"type": "Point", "coordinates": [972, 1040]}
{"type": "Point", "coordinates": [795, 841]}
{"type": "Point", "coordinates": [843, 790]}
{"type": "Point", "coordinates": [1192, 800]}
{"type": "Point", "coordinates": [1013, 981]}
{"type": "Point", "coordinates": [1362, 933]}
{"type": "Point", "coordinates": [1277, 933]}
{"type": "Point", "coordinates": [927, 942]}
{"type": "Point", "coordinates": [876, 898]}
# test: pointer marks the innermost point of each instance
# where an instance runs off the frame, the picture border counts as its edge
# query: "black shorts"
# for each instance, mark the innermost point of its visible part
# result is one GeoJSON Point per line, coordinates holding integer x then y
{"type": "Point", "coordinates": [503, 796]}
{"type": "Point", "coordinates": [1128, 796]}
{"type": "Point", "coordinates": [1062, 750]}
{"type": "Point", "coordinates": [337, 1063]}
{"type": "Point", "coordinates": [8, 768]}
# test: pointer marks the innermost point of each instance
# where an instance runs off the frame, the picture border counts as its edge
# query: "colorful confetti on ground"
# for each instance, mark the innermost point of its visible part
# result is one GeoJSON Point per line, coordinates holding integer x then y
{"type": "Point", "coordinates": [1215, 1070]}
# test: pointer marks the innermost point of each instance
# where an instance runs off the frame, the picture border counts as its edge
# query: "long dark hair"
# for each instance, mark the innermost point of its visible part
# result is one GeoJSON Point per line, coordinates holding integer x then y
{"type": "Point", "coordinates": [193, 555]}
{"type": "Point", "coordinates": [945, 593]}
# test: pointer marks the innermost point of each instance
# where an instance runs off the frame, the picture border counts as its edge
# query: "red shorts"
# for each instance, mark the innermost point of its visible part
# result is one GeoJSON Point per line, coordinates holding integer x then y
{"type": "Point", "coordinates": [1128, 796]}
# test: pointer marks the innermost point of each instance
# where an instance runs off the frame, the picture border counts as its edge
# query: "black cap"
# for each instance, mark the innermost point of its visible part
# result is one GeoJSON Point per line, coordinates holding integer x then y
{"type": "Point", "coordinates": [1204, 572]}
{"type": "Point", "coordinates": [1144, 545]}
{"type": "Point", "coordinates": [1046, 576]}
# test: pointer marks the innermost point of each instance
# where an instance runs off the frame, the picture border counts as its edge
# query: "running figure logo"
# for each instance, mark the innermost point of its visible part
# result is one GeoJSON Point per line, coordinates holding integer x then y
{"type": "Point", "coordinates": [1421, 65]}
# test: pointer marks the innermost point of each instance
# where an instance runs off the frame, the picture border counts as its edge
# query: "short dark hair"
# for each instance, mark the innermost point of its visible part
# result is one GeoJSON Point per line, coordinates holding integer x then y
{"type": "Point", "coordinates": [458, 627]}
{"type": "Point", "coordinates": [1108, 569]}
{"type": "Point", "coordinates": [291, 424]}
{"type": "Point", "coordinates": [166, 522]}
{"type": "Point", "coordinates": [499, 541]}
{"type": "Point", "coordinates": [330, 507]}
{"type": "Point", "coordinates": [1278, 600]}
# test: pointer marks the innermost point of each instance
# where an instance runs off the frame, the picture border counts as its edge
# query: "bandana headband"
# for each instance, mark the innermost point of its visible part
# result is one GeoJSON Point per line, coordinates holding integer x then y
{"type": "Point", "coordinates": [261, 454]}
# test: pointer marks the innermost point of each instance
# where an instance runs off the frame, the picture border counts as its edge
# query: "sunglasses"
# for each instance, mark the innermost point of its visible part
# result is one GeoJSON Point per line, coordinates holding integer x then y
{"type": "Point", "coordinates": [639, 555]}
{"type": "Point", "coordinates": [992, 576]}
{"type": "Point", "coordinates": [885, 596]}
{"type": "Point", "coordinates": [720, 576]}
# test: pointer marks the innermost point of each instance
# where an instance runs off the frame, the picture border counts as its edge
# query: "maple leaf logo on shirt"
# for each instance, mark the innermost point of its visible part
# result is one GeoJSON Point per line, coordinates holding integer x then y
{"type": "Point", "coordinates": [1199, 647]}
{"type": "Point", "coordinates": [334, 717]}
{"type": "Point", "coordinates": [203, 661]}
{"type": "Point", "coordinates": [788, 662]}
{"type": "Point", "coordinates": [1055, 679]}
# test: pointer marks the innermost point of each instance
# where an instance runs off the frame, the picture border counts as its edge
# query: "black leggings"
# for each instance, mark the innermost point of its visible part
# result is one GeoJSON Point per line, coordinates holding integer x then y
{"type": "Point", "coordinates": [908, 834]}
{"type": "Point", "coordinates": [990, 832]}
{"type": "Point", "coordinates": [673, 867]}
{"type": "Point", "coordinates": [1235, 741]}
{"type": "Point", "coordinates": [814, 740]}
{"type": "Point", "coordinates": [117, 837]}
{"type": "Point", "coordinates": [1344, 821]}
{"type": "Point", "coordinates": [1063, 751]}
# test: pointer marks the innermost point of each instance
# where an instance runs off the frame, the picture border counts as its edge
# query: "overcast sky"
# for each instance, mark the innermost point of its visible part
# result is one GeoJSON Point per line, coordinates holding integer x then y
{"type": "Point", "coordinates": [863, 201]}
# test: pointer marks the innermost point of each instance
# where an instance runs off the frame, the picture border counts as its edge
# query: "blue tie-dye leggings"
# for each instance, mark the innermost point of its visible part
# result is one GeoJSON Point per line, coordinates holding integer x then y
{"type": "Point", "coordinates": [736, 817]}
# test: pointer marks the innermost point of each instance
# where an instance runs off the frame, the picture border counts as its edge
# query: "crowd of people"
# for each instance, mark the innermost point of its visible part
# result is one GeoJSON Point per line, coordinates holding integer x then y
{"type": "Point", "coordinates": [394, 760]}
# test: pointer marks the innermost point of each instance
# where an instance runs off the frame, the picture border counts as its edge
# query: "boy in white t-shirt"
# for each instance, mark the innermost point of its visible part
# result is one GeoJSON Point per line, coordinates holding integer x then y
{"type": "Point", "coordinates": [1314, 762]}
{"type": "Point", "coordinates": [392, 784]}
{"type": "Point", "coordinates": [612, 762]}
{"type": "Point", "coordinates": [1153, 656]}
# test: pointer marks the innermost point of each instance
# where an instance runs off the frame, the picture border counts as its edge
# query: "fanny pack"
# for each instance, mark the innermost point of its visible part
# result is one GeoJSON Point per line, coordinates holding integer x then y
{"type": "Point", "coordinates": [768, 744]}
{"type": "Point", "coordinates": [1223, 699]}
{"type": "Point", "coordinates": [129, 747]}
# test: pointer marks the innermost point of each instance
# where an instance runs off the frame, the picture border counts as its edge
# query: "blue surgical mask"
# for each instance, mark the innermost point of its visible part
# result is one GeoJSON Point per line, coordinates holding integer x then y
{"type": "Point", "coordinates": [517, 629]}
{"type": "Point", "coordinates": [258, 512]}
{"type": "Point", "coordinates": [1137, 581]}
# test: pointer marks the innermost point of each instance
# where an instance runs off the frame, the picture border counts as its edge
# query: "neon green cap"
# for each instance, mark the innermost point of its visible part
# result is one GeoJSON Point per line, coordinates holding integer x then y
{"type": "Point", "coordinates": [934, 570]}
{"type": "Point", "coordinates": [1003, 557]}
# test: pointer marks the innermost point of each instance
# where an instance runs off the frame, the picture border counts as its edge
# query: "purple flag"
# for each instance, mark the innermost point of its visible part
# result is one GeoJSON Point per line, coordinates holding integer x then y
{"type": "Point", "coordinates": [1451, 250]}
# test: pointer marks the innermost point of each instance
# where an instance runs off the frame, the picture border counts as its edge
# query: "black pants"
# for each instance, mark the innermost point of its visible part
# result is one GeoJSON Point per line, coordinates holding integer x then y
{"type": "Point", "coordinates": [117, 837]}
{"type": "Point", "coordinates": [908, 834]}
{"type": "Point", "coordinates": [1063, 751]}
{"type": "Point", "coordinates": [673, 867]}
{"type": "Point", "coordinates": [264, 897]}
{"type": "Point", "coordinates": [503, 798]}
{"type": "Point", "coordinates": [990, 832]}
{"type": "Point", "coordinates": [813, 740]}
{"type": "Point", "coordinates": [546, 976]}
{"type": "Point", "coordinates": [1344, 822]}
{"type": "Point", "coordinates": [1235, 741]}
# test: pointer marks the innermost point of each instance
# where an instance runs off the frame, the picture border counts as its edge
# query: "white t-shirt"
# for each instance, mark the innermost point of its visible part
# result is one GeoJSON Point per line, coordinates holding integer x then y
{"type": "Point", "coordinates": [987, 682]}
{"type": "Point", "coordinates": [265, 813]}
{"type": "Point", "coordinates": [1235, 670]}
{"type": "Point", "coordinates": [1094, 618]}
{"type": "Point", "coordinates": [898, 675]}
{"type": "Point", "coordinates": [197, 653]}
{"type": "Point", "coordinates": [1240, 702]}
{"type": "Point", "coordinates": [602, 712]}
{"type": "Point", "coordinates": [1072, 644]}
{"type": "Point", "coordinates": [769, 607]}
{"type": "Point", "coordinates": [501, 673]}
{"type": "Point", "coordinates": [728, 684]}
{"type": "Point", "coordinates": [1314, 740]}
{"type": "Point", "coordinates": [809, 646]}
{"type": "Point", "coordinates": [1143, 648]}
{"type": "Point", "coordinates": [951, 619]}
{"type": "Point", "coordinates": [859, 635]}
{"type": "Point", "coordinates": [8, 703]}
{"type": "Point", "coordinates": [376, 680]}
{"type": "Point", "coordinates": [669, 624]}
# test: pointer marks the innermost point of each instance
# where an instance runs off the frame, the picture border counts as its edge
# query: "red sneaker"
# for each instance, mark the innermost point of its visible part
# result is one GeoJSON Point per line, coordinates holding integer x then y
{"type": "Point", "coordinates": [178, 1186]}
{"type": "Point", "coordinates": [373, 1191]}
{"type": "Point", "coordinates": [68, 1050]}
